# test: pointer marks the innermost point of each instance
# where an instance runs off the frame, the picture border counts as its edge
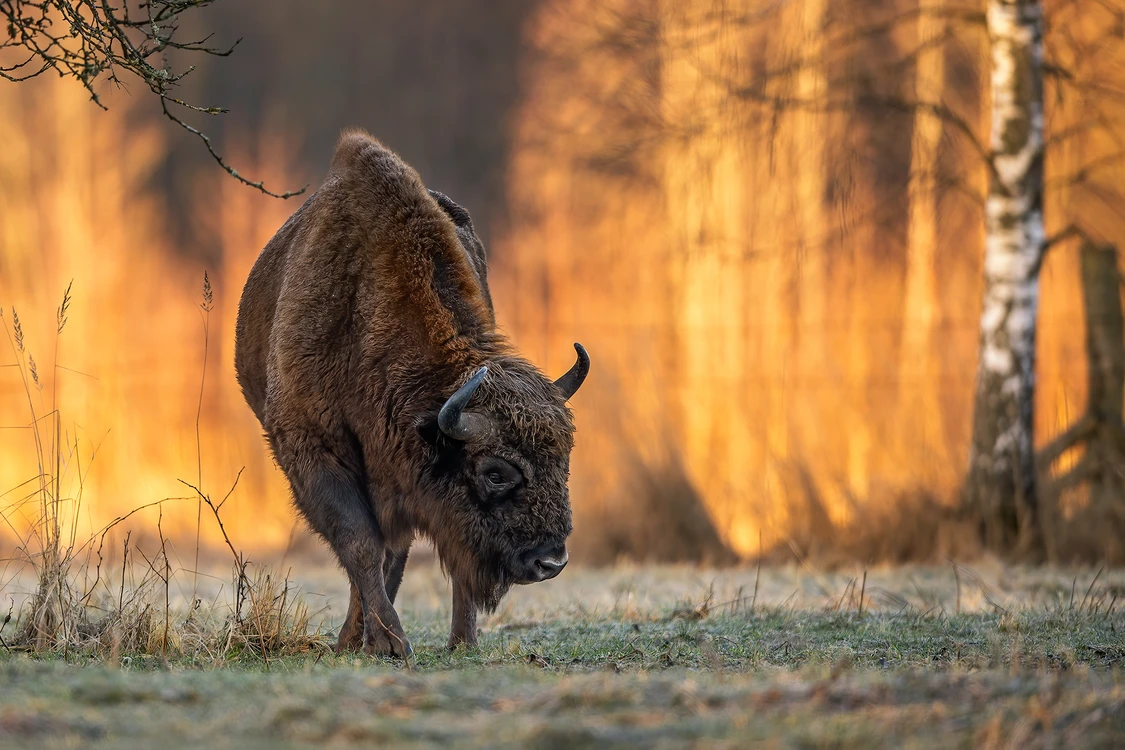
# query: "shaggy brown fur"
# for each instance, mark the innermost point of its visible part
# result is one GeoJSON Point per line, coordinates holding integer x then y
{"type": "Point", "coordinates": [360, 318]}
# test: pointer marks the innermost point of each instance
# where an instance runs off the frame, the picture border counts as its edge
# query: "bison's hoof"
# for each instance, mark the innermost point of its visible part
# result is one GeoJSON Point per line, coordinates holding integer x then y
{"type": "Point", "coordinates": [456, 642]}
{"type": "Point", "coordinates": [347, 647]}
{"type": "Point", "coordinates": [386, 643]}
{"type": "Point", "coordinates": [349, 640]}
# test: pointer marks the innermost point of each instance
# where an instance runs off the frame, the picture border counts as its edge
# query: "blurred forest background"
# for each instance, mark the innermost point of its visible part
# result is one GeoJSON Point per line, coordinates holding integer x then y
{"type": "Point", "coordinates": [775, 263]}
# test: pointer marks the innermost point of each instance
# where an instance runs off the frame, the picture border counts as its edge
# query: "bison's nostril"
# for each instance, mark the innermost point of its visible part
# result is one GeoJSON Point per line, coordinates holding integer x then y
{"type": "Point", "coordinates": [541, 563]}
{"type": "Point", "coordinates": [549, 567]}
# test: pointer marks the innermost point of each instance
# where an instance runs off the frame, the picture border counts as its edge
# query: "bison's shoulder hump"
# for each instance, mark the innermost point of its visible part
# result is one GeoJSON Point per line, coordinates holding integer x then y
{"type": "Point", "coordinates": [361, 163]}
{"type": "Point", "coordinates": [374, 188]}
{"type": "Point", "coordinates": [374, 191]}
{"type": "Point", "coordinates": [353, 146]}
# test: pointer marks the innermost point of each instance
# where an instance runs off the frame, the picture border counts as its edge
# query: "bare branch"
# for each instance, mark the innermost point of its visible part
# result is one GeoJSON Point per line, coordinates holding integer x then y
{"type": "Point", "coordinates": [219, 159]}
{"type": "Point", "coordinates": [94, 40]}
{"type": "Point", "coordinates": [1075, 434]}
{"type": "Point", "coordinates": [1083, 471]}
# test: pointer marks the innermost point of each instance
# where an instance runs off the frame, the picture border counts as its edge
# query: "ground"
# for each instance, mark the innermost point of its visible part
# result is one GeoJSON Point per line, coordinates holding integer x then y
{"type": "Point", "coordinates": [651, 656]}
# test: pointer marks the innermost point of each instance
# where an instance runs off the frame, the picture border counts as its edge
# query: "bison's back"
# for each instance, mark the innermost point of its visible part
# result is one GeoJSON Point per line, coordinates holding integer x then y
{"type": "Point", "coordinates": [371, 267]}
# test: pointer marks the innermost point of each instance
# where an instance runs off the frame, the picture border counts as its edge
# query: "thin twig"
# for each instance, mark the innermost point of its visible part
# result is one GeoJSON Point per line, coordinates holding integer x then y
{"type": "Point", "coordinates": [862, 591]}
{"type": "Point", "coordinates": [757, 575]}
{"type": "Point", "coordinates": [167, 575]}
{"type": "Point", "coordinates": [957, 578]}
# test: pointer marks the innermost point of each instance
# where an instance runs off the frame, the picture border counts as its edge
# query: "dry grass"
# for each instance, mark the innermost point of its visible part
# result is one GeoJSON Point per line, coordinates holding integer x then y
{"type": "Point", "coordinates": [79, 605]}
{"type": "Point", "coordinates": [666, 656]}
{"type": "Point", "coordinates": [527, 706]}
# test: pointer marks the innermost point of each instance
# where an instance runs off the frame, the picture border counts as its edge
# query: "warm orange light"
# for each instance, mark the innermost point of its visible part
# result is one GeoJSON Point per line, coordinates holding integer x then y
{"type": "Point", "coordinates": [743, 326]}
{"type": "Point", "coordinates": [75, 205]}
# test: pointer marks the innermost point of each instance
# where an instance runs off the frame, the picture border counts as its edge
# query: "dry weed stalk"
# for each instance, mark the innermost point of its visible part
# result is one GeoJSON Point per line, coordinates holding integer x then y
{"type": "Point", "coordinates": [205, 310]}
{"type": "Point", "coordinates": [42, 547]}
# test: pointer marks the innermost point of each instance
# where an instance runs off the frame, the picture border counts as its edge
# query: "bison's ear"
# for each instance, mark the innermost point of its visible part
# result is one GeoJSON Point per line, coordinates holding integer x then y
{"type": "Point", "coordinates": [458, 214]}
{"type": "Point", "coordinates": [428, 429]}
{"type": "Point", "coordinates": [447, 455]}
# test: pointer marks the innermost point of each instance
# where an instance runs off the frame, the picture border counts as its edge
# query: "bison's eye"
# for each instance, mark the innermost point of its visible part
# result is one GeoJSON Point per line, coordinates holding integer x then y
{"type": "Point", "coordinates": [496, 477]}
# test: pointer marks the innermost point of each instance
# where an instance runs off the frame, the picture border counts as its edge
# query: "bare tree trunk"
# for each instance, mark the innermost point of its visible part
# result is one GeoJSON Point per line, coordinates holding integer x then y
{"type": "Point", "coordinates": [810, 129]}
{"type": "Point", "coordinates": [1001, 485]}
{"type": "Point", "coordinates": [1097, 527]}
{"type": "Point", "coordinates": [1105, 346]}
{"type": "Point", "coordinates": [1105, 332]}
{"type": "Point", "coordinates": [703, 178]}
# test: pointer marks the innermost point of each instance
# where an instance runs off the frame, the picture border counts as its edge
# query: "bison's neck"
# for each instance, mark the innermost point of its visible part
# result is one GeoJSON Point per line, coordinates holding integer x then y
{"type": "Point", "coordinates": [405, 377]}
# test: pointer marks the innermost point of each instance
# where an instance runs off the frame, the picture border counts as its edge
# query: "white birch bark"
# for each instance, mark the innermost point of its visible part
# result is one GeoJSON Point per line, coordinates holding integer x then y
{"type": "Point", "coordinates": [1001, 472]}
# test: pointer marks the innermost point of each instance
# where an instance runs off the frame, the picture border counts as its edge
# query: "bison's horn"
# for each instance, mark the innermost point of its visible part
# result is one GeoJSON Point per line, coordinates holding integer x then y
{"type": "Point", "coordinates": [572, 381]}
{"type": "Point", "coordinates": [451, 419]}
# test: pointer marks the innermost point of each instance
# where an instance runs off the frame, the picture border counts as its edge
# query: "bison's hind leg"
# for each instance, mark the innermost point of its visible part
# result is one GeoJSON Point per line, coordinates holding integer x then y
{"type": "Point", "coordinates": [393, 567]}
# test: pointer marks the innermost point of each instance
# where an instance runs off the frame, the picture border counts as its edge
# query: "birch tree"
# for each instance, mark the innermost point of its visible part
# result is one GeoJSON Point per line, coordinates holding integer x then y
{"type": "Point", "coordinates": [844, 82]}
{"type": "Point", "coordinates": [1001, 482]}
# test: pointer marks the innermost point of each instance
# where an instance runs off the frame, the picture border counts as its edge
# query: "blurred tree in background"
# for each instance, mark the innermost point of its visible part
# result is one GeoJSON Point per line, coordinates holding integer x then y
{"type": "Point", "coordinates": [851, 207]}
{"type": "Point", "coordinates": [782, 226]}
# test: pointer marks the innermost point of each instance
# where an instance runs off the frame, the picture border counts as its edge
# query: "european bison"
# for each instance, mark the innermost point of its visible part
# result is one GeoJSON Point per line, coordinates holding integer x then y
{"type": "Point", "coordinates": [367, 347]}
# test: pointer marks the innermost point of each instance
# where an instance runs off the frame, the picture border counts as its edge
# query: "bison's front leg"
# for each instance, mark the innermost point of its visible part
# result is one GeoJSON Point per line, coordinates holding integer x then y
{"type": "Point", "coordinates": [351, 632]}
{"type": "Point", "coordinates": [464, 626]}
{"type": "Point", "coordinates": [334, 505]}
{"type": "Point", "coordinates": [394, 564]}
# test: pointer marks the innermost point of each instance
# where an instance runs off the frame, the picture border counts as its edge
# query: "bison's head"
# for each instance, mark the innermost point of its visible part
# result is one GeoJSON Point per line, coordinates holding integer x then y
{"type": "Point", "coordinates": [501, 459]}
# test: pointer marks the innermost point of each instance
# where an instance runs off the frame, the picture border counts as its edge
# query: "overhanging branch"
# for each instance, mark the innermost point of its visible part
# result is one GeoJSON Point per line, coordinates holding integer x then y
{"type": "Point", "coordinates": [92, 40]}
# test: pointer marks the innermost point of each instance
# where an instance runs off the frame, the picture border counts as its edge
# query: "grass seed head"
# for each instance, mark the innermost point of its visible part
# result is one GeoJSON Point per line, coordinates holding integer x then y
{"type": "Point", "coordinates": [34, 371]}
{"type": "Point", "coordinates": [208, 296]}
{"type": "Point", "coordinates": [18, 329]}
{"type": "Point", "coordinates": [60, 318]}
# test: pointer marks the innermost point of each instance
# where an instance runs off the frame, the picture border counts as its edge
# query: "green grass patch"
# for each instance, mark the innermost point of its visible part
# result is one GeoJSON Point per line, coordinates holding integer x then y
{"type": "Point", "coordinates": [780, 677]}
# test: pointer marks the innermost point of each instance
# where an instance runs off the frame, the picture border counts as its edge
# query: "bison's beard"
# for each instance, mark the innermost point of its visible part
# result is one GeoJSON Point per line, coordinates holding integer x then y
{"type": "Point", "coordinates": [487, 591]}
{"type": "Point", "coordinates": [484, 577]}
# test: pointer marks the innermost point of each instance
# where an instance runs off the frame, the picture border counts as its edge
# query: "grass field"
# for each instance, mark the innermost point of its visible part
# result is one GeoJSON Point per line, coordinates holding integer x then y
{"type": "Point", "coordinates": [660, 656]}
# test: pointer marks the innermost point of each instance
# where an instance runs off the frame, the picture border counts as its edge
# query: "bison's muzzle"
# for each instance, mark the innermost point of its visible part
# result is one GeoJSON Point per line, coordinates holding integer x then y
{"type": "Point", "coordinates": [542, 563]}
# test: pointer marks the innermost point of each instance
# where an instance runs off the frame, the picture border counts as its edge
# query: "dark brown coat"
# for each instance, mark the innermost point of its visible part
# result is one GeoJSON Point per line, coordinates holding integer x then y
{"type": "Point", "coordinates": [366, 313]}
